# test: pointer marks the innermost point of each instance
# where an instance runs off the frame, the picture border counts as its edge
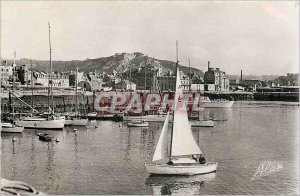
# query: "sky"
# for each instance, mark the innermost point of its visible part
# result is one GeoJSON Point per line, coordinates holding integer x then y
{"type": "Point", "coordinates": [258, 37]}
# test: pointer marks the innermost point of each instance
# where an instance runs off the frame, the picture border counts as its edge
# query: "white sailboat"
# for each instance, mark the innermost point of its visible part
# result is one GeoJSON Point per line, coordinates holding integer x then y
{"type": "Point", "coordinates": [76, 120]}
{"type": "Point", "coordinates": [182, 145]}
{"type": "Point", "coordinates": [51, 121]}
{"type": "Point", "coordinates": [10, 127]}
{"type": "Point", "coordinates": [202, 122]}
{"type": "Point", "coordinates": [216, 103]}
{"type": "Point", "coordinates": [139, 123]}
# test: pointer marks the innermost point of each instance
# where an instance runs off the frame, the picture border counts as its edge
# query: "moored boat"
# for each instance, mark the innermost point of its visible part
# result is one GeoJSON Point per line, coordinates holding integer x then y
{"type": "Point", "coordinates": [216, 103]}
{"type": "Point", "coordinates": [148, 118]}
{"type": "Point", "coordinates": [53, 122]}
{"type": "Point", "coordinates": [11, 128]}
{"type": "Point", "coordinates": [140, 123]}
{"type": "Point", "coordinates": [45, 137]}
{"type": "Point", "coordinates": [202, 123]}
{"type": "Point", "coordinates": [104, 117]}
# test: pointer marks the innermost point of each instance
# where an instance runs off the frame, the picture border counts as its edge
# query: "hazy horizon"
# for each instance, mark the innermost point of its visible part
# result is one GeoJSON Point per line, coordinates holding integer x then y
{"type": "Point", "coordinates": [261, 38]}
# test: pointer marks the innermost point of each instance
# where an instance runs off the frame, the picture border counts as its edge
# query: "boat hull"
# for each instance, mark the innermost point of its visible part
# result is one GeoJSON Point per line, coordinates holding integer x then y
{"type": "Point", "coordinates": [148, 118]}
{"type": "Point", "coordinates": [116, 118]}
{"type": "Point", "coordinates": [42, 124]}
{"type": "Point", "coordinates": [202, 123]}
{"type": "Point", "coordinates": [138, 125]}
{"type": "Point", "coordinates": [218, 104]}
{"type": "Point", "coordinates": [12, 129]}
{"type": "Point", "coordinates": [181, 169]}
{"type": "Point", "coordinates": [76, 122]}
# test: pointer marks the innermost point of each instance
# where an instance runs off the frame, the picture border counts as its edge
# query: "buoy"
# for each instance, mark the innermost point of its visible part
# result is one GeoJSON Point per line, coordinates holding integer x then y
{"type": "Point", "coordinates": [96, 126]}
{"type": "Point", "coordinates": [120, 125]}
{"type": "Point", "coordinates": [14, 139]}
{"type": "Point", "coordinates": [57, 140]}
{"type": "Point", "coordinates": [75, 130]}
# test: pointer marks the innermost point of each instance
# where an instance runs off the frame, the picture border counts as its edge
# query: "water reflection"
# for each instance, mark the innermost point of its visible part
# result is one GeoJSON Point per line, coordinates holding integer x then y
{"type": "Point", "coordinates": [32, 164]}
{"type": "Point", "coordinates": [166, 185]}
{"type": "Point", "coordinates": [13, 162]}
{"type": "Point", "coordinates": [49, 169]}
{"type": "Point", "coordinates": [128, 146]}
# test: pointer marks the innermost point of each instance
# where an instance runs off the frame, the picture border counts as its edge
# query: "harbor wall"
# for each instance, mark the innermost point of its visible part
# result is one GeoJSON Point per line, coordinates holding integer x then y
{"type": "Point", "coordinates": [66, 103]}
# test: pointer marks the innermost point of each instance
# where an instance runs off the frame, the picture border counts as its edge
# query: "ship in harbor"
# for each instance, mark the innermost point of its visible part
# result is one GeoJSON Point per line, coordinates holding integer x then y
{"type": "Point", "coordinates": [216, 103]}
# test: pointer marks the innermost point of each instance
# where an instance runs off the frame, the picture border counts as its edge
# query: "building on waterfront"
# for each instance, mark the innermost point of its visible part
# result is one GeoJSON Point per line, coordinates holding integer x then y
{"type": "Point", "coordinates": [40, 78]}
{"type": "Point", "coordinates": [167, 82]}
{"type": "Point", "coordinates": [72, 77]}
{"type": "Point", "coordinates": [6, 73]}
{"type": "Point", "coordinates": [244, 85]}
{"type": "Point", "coordinates": [217, 78]}
{"type": "Point", "coordinates": [60, 79]}
{"type": "Point", "coordinates": [144, 77]}
{"type": "Point", "coordinates": [197, 83]}
{"type": "Point", "coordinates": [125, 85]}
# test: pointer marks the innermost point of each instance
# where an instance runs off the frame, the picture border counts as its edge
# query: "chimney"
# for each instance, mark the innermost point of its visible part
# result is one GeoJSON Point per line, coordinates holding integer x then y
{"type": "Point", "coordinates": [208, 65]}
{"type": "Point", "coordinates": [241, 75]}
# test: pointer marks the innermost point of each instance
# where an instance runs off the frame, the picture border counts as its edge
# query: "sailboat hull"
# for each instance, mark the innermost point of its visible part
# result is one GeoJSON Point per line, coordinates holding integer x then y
{"type": "Point", "coordinates": [41, 123]}
{"type": "Point", "coordinates": [130, 124]}
{"type": "Point", "coordinates": [181, 169]}
{"type": "Point", "coordinates": [218, 104]}
{"type": "Point", "coordinates": [10, 128]}
{"type": "Point", "coordinates": [202, 123]}
{"type": "Point", "coordinates": [148, 118]}
{"type": "Point", "coordinates": [76, 122]}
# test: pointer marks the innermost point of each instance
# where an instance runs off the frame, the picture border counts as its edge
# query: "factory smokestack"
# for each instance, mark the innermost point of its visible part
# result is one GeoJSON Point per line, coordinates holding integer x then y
{"type": "Point", "coordinates": [241, 74]}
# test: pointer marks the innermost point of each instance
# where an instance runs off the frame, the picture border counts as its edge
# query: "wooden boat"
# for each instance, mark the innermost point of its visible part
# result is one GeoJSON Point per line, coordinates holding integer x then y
{"type": "Point", "coordinates": [177, 159]}
{"type": "Point", "coordinates": [45, 137]}
{"type": "Point", "coordinates": [140, 123]}
{"type": "Point", "coordinates": [11, 128]}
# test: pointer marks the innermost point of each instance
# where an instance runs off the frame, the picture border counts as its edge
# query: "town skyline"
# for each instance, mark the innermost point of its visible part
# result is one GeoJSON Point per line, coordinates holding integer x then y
{"type": "Point", "coordinates": [258, 38]}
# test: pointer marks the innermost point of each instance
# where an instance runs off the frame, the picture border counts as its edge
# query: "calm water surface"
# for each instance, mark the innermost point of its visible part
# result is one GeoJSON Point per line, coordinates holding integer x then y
{"type": "Point", "coordinates": [110, 158]}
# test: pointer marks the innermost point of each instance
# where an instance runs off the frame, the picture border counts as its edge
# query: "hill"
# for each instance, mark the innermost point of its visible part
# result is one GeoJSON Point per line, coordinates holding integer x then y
{"type": "Point", "coordinates": [119, 62]}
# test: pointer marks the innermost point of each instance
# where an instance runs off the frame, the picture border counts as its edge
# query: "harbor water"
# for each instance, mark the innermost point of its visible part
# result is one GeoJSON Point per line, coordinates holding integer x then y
{"type": "Point", "coordinates": [109, 157]}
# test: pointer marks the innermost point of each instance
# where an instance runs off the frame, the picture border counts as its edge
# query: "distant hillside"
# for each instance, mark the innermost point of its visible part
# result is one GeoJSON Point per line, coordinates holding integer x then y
{"type": "Point", "coordinates": [120, 62]}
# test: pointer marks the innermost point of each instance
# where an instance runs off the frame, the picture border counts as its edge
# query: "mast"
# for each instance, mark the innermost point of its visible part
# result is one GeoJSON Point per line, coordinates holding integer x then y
{"type": "Point", "coordinates": [31, 84]}
{"type": "Point", "coordinates": [145, 82]}
{"type": "Point", "coordinates": [130, 77]}
{"type": "Point", "coordinates": [189, 76]}
{"type": "Point", "coordinates": [76, 90]}
{"type": "Point", "coordinates": [50, 92]}
{"type": "Point", "coordinates": [170, 157]}
{"type": "Point", "coordinates": [13, 88]}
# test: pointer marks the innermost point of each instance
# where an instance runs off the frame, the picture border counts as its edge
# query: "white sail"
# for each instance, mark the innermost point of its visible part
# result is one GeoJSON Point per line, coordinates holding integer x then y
{"type": "Point", "coordinates": [183, 142]}
{"type": "Point", "coordinates": [161, 150]}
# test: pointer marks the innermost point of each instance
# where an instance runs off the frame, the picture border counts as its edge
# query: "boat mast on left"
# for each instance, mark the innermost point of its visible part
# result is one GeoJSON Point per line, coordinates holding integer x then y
{"type": "Point", "coordinates": [10, 127]}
